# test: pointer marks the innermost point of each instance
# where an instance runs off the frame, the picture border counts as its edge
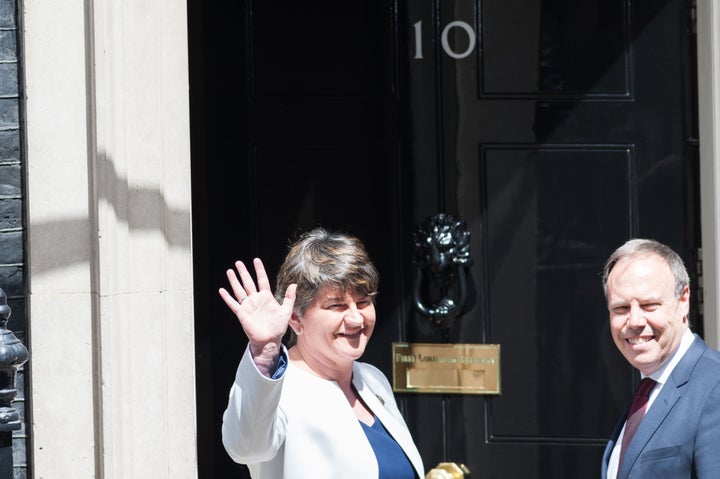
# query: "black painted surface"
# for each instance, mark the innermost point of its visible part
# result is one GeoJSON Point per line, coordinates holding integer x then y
{"type": "Point", "coordinates": [566, 130]}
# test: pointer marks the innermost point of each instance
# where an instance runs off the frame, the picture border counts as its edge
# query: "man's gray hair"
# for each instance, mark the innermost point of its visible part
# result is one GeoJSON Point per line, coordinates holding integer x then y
{"type": "Point", "coordinates": [640, 247]}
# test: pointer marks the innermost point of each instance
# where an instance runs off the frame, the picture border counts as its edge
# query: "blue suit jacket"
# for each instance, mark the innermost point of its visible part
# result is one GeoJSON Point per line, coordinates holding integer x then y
{"type": "Point", "coordinates": [679, 437]}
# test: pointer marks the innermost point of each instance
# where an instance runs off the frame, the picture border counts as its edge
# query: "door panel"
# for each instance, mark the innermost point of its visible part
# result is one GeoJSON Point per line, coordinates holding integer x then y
{"type": "Point", "coordinates": [555, 129]}
{"type": "Point", "coordinates": [562, 134]}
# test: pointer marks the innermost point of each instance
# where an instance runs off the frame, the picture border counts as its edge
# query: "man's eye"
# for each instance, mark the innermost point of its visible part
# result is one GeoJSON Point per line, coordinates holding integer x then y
{"type": "Point", "coordinates": [620, 309]}
{"type": "Point", "coordinates": [651, 306]}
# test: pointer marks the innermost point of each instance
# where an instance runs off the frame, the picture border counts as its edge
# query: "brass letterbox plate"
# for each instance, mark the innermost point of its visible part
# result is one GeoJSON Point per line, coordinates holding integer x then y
{"type": "Point", "coordinates": [446, 368]}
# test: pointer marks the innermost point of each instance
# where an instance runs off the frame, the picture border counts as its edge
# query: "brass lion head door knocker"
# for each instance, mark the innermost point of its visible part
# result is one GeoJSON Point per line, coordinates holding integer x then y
{"type": "Point", "coordinates": [442, 258]}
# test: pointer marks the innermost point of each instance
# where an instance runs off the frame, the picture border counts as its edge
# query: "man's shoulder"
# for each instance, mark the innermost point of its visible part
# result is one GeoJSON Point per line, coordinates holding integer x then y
{"type": "Point", "coordinates": [710, 360]}
{"type": "Point", "coordinates": [706, 351]}
{"type": "Point", "coordinates": [706, 361]}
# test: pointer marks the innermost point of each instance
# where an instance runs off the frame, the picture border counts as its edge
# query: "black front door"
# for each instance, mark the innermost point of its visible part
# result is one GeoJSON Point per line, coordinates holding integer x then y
{"type": "Point", "coordinates": [556, 130]}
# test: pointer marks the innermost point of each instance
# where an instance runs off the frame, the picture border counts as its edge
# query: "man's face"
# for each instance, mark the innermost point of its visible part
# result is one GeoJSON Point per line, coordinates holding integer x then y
{"type": "Point", "coordinates": [647, 321]}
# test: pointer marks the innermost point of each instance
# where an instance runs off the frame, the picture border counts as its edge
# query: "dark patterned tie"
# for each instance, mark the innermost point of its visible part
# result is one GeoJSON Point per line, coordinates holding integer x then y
{"type": "Point", "coordinates": [635, 415]}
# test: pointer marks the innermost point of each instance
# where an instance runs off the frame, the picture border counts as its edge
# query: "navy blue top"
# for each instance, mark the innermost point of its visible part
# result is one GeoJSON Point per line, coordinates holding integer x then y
{"type": "Point", "coordinates": [392, 461]}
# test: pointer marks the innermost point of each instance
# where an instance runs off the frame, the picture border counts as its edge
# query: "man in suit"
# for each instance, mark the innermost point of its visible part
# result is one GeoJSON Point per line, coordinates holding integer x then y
{"type": "Point", "coordinates": [648, 296]}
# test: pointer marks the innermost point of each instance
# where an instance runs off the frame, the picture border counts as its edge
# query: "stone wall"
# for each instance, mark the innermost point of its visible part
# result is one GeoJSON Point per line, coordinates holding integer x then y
{"type": "Point", "coordinates": [12, 226]}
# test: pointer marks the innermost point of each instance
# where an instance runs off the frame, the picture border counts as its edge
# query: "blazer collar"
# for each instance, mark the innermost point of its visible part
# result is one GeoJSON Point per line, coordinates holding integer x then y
{"type": "Point", "coordinates": [396, 429]}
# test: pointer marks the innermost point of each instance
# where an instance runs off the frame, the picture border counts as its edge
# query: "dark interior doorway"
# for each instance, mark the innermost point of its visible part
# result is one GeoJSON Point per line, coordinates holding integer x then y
{"type": "Point", "coordinates": [287, 136]}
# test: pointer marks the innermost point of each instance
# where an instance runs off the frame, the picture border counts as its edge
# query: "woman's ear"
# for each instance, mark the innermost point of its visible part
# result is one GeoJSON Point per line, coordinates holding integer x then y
{"type": "Point", "coordinates": [295, 323]}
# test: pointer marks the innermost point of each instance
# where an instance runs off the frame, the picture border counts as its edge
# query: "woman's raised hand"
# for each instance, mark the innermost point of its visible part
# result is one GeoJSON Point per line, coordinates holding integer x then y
{"type": "Point", "coordinates": [263, 319]}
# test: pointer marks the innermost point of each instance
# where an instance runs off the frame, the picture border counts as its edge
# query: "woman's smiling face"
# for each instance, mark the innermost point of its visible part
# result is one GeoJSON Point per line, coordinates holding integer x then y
{"type": "Point", "coordinates": [647, 319]}
{"type": "Point", "coordinates": [336, 327]}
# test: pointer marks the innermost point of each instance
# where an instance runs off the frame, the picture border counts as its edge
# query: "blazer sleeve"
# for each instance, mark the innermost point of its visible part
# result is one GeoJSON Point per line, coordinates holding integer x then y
{"type": "Point", "coordinates": [707, 442]}
{"type": "Point", "coordinates": [254, 425]}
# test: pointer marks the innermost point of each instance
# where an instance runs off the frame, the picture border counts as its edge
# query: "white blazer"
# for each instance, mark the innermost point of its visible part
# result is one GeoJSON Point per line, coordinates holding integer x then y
{"type": "Point", "coordinates": [302, 426]}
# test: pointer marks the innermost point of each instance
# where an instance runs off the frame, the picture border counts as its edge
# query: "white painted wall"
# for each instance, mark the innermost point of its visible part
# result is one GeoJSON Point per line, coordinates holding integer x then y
{"type": "Point", "coordinates": [708, 31]}
{"type": "Point", "coordinates": [109, 239]}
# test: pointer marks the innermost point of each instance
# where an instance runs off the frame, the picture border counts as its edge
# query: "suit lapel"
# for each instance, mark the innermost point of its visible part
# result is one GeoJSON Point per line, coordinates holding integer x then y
{"type": "Point", "coordinates": [377, 406]}
{"type": "Point", "coordinates": [660, 408]}
{"type": "Point", "coordinates": [663, 404]}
